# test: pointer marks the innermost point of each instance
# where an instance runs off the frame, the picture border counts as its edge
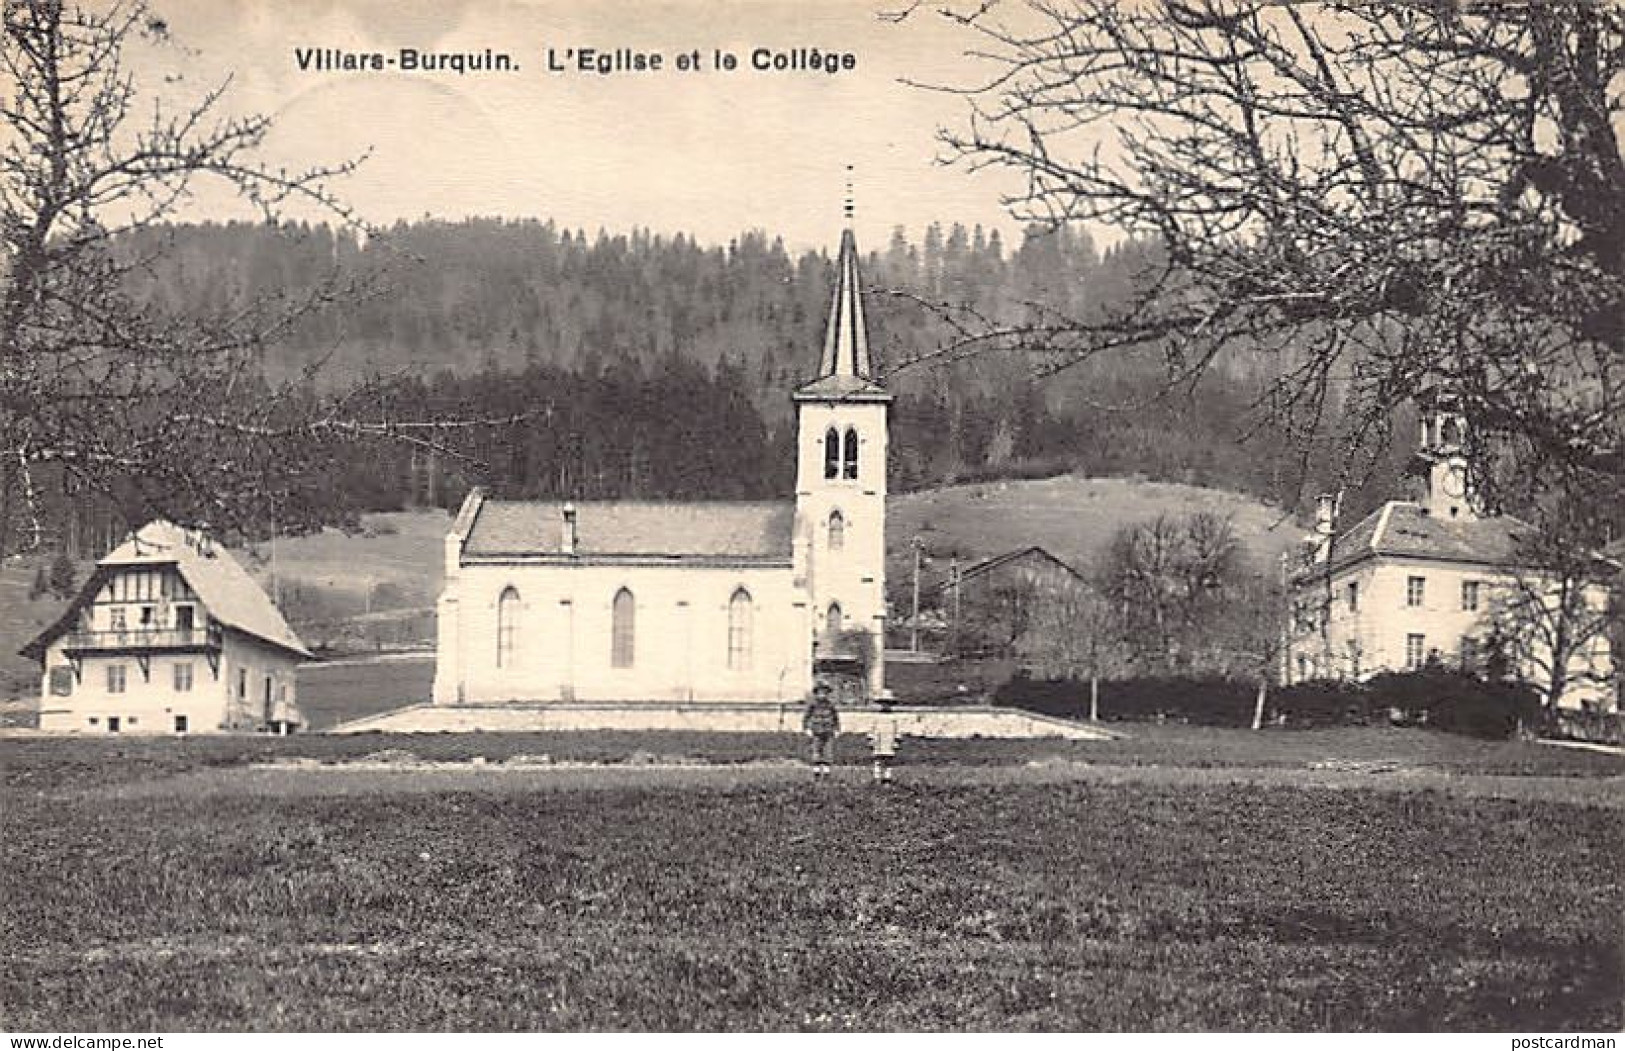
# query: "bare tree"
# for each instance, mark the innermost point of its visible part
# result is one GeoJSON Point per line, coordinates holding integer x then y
{"type": "Point", "coordinates": [101, 391]}
{"type": "Point", "coordinates": [1389, 197]}
{"type": "Point", "coordinates": [1553, 616]}
{"type": "Point", "coordinates": [1168, 580]}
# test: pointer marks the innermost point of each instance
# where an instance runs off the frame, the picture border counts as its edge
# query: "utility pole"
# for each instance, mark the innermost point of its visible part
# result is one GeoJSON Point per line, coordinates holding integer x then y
{"type": "Point", "coordinates": [914, 621]}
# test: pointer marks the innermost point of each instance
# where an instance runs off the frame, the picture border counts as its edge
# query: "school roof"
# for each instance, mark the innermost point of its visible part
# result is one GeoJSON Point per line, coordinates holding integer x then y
{"type": "Point", "coordinates": [615, 530]}
{"type": "Point", "coordinates": [224, 587]}
{"type": "Point", "coordinates": [1403, 529]}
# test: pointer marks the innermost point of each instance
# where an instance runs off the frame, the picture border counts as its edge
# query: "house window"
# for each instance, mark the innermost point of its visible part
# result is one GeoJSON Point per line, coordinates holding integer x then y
{"type": "Point", "coordinates": [184, 618]}
{"type": "Point", "coordinates": [1469, 594]}
{"type": "Point", "coordinates": [1354, 596]}
{"type": "Point", "coordinates": [112, 724]}
{"type": "Point", "coordinates": [507, 626]}
{"type": "Point", "coordinates": [1415, 590]}
{"type": "Point", "coordinates": [837, 531]}
{"type": "Point", "coordinates": [242, 684]}
{"type": "Point", "coordinates": [832, 453]}
{"type": "Point", "coordinates": [62, 681]}
{"type": "Point", "coordinates": [739, 617]}
{"type": "Point", "coordinates": [180, 724]}
{"type": "Point", "coordinates": [115, 619]}
{"type": "Point", "coordinates": [115, 678]}
{"type": "Point", "coordinates": [183, 677]}
{"type": "Point", "coordinates": [833, 621]}
{"type": "Point", "coordinates": [1415, 651]}
{"type": "Point", "coordinates": [849, 467]}
{"type": "Point", "coordinates": [622, 629]}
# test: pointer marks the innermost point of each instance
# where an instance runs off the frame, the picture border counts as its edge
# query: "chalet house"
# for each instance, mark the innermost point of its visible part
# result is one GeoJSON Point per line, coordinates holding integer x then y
{"type": "Point", "coordinates": [1431, 581]}
{"type": "Point", "coordinates": [629, 601]}
{"type": "Point", "coordinates": [170, 635]}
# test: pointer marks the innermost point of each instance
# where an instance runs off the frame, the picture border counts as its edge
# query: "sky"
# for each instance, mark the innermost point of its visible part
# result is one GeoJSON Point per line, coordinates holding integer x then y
{"type": "Point", "coordinates": [709, 152]}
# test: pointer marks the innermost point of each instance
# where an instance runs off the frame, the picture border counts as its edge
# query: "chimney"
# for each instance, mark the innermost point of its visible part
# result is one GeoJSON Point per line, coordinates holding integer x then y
{"type": "Point", "coordinates": [1325, 514]}
{"type": "Point", "coordinates": [567, 543]}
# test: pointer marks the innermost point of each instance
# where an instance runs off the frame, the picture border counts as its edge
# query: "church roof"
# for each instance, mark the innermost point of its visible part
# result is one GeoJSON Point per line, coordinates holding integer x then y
{"type": "Point", "coordinates": [845, 370]}
{"type": "Point", "coordinates": [1403, 529]}
{"type": "Point", "coordinates": [224, 587]}
{"type": "Point", "coordinates": [615, 530]}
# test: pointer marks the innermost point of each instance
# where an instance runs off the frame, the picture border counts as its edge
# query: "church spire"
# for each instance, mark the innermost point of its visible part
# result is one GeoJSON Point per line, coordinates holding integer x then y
{"type": "Point", "coordinates": [846, 339]}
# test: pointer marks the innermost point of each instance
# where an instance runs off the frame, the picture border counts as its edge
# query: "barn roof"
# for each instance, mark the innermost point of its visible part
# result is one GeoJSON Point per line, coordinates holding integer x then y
{"type": "Point", "coordinates": [1033, 553]}
{"type": "Point", "coordinates": [223, 586]}
{"type": "Point", "coordinates": [615, 529]}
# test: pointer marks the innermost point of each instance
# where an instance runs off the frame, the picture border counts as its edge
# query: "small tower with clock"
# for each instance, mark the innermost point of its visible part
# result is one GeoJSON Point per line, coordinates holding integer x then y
{"type": "Point", "coordinates": [1440, 465]}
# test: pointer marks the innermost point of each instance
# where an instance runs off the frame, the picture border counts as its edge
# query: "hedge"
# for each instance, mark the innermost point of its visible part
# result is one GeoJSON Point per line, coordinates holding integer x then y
{"type": "Point", "coordinates": [1434, 697]}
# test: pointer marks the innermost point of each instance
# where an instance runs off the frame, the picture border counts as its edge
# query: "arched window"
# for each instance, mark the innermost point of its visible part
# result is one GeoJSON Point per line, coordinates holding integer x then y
{"type": "Point", "coordinates": [833, 621]}
{"type": "Point", "coordinates": [739, 612]}
{"type": "Point", "coordinates": [621, 629]}
{"type": "Point", "coordinates": [850, 465]}
{"type": "Point", "coordinates": [832, 453]}
{"type": "Point", "coordinates": [837, 531]}
{"type": "Point", "coordinates": [507, 626]}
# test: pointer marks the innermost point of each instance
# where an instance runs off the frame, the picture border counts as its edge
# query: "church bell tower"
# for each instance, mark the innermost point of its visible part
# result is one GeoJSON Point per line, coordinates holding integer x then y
{"type": "Point", "coordinates": [841, 420]}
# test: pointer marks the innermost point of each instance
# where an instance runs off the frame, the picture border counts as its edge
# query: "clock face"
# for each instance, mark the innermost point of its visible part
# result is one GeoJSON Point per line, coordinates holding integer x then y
{"type": "Point", "coordinates": [1455, 484]}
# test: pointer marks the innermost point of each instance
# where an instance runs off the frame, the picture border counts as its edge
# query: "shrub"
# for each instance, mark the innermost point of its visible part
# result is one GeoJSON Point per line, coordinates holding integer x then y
{"type": "Point", "coordinates": [1434, 697]}
{"type": "Point", "coordinates": [1325, 702]}
{"type": "Point", "coordinates": [1456, 701]}
{"type": "Point", "coordinates": [1200, 701]}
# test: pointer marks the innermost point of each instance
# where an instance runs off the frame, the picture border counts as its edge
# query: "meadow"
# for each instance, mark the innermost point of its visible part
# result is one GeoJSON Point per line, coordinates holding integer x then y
{"type": "Point", "coordinates": [172, 885]}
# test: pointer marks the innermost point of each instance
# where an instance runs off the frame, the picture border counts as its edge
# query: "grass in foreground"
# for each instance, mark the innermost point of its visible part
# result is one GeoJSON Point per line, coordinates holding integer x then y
{"type": "Point", "coordinates": [1066, 906]}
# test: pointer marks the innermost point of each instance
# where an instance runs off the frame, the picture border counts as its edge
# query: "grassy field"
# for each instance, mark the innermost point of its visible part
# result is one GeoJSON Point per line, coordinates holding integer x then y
{"type": "Point", "coordinates": [964, 897]}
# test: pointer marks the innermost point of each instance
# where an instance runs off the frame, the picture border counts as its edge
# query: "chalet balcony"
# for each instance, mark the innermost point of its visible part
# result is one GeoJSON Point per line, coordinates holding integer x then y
{"type": "Point", "coordinates": [137, 640]}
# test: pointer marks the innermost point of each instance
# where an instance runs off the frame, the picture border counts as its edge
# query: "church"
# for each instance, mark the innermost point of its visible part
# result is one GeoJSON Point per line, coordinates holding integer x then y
{"type": "Point", "coordinates": [628, 601]}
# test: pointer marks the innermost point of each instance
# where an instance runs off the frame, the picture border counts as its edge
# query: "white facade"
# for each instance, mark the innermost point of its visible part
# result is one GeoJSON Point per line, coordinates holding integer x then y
{"type": "Point", "coordinates": [628, 601]}
{"type": "Point", "coordinates": [1423, 582]}
{"type": "Point", "coordinates": [169, 636]}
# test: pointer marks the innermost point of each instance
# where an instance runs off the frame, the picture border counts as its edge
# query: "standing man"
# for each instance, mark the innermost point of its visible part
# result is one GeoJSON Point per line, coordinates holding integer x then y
{"type": "Point", "coordinates": [821, 722]}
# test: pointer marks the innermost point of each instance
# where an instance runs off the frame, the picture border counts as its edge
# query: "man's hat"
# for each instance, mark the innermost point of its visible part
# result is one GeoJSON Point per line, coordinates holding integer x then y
{"type": "Point", "coordinates": [820, 687]}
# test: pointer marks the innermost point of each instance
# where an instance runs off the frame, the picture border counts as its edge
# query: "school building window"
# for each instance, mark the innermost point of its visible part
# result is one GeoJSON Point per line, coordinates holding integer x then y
{"type": "Point", "coordinates": [1415, 651]}
{"type": "Point", "coordinates": [1415, 590]}
{"type": "Point", "coordinates": [115, 678]}
{"type": "Point", "coordinates": [1469, 594]}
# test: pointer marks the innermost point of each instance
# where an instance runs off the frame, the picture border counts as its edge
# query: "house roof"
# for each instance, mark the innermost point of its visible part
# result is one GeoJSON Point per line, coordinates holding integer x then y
{"type": "Point", "coordinates": [989, 565]}
{"type": "Point", "coordinates": [729, 531]}
{"type": "Point", "coordinates": [222, 585]}
{"type": "Point", "coordinates": [1403, 529]}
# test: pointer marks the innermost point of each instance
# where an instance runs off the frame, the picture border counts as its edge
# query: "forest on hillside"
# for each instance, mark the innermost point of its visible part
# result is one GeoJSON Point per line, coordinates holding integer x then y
{"type": "Point", "coordinates": [641, 365]}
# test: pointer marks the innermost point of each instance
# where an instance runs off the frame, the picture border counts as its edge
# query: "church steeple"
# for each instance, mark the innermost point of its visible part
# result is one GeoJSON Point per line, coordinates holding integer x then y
{"type": "Point", "coordinates": [846, 337]}
{"type": "Point", "coordinates": [845, 369]}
